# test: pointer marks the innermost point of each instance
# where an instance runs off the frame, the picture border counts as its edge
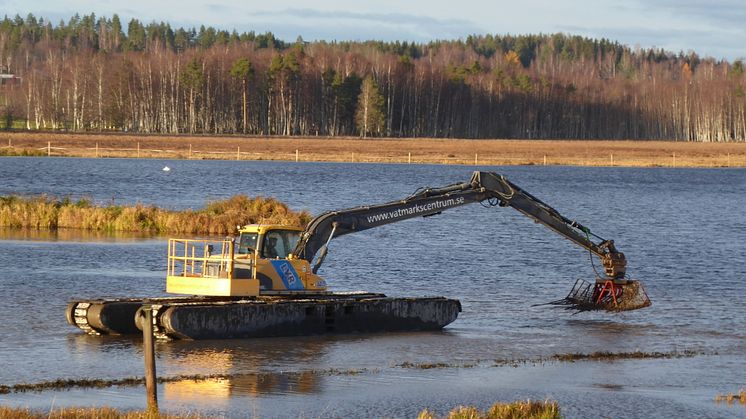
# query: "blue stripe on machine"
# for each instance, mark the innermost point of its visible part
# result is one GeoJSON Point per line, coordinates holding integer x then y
{"type": "Point", "coordinates": [288, 274]}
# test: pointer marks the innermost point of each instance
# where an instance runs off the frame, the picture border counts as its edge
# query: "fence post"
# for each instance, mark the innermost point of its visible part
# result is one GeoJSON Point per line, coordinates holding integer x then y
{"type": "Point", "coordinates": [476, 155]}
{"type": "Point", "coordinates": [190, 151]}
{"type": "Point", "coordinates": [353, 157]}
{"type": "Point", "coordinates": [727, 166]}
{"type": "Point", "coordinates": [138, 149]}
{"type": "Point", "coordinates": [674, 159]}
{"type": "Point", "coordinates": [96, 149]}
{"type": "Point", "coordinates": [409, 158]}
{"type": "Point", "coordinates": [296, 155]}
{"type": "Point", "coordinates": [612, 159]}
{"type": "Point", "coordinates": [238, 153]}
{"type": "Point", "coordinates": [49, 148]}
{"type": "Point", "coordinates": [545, 160]}
{"type": "Point", "coordinates": [146, 321]}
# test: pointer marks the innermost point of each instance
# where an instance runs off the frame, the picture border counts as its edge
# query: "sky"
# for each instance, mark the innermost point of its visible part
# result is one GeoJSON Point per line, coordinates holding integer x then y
{"type": "Point", "coordinates": [714, 28]}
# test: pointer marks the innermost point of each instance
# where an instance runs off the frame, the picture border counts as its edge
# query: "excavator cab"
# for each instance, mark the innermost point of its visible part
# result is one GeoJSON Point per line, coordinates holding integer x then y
{"type": "Point", "coordinates": [257, 262]}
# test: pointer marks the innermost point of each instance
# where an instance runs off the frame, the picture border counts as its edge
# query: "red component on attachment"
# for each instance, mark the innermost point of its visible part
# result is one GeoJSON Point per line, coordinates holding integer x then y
{"type": "Point", "coordinates": [607, 288]}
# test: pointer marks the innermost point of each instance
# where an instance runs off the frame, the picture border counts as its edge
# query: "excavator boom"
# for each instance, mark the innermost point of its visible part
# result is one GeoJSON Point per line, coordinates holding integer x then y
{"type": "Point", "coordinates": [493, 189]}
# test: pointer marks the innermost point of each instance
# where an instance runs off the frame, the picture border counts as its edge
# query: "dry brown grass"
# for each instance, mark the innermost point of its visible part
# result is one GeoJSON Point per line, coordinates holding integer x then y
{"type": "Point", "coordinates": [731, 398]}
{"type": "Point", "coordinates": [391, 150]}
{"type": "Point", "coordinates": [219, 217]}
{"type": "Point", "coordinates": [88, 413]}
{"type": "Point", "coordinates": [515, 410]}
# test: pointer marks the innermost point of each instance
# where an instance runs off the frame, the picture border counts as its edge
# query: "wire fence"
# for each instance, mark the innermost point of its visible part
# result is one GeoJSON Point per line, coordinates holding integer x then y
{"type": "Point", "coordinates": [485, 159]}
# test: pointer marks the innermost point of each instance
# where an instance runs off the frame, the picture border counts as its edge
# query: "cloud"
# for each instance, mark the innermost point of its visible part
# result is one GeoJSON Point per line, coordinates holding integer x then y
{"type": "Point", "coordinates": [721, 43]}
{"type": "Point", "coordinates": [344, 25]}
{"type": "Point", "coordinates": [720, 13]}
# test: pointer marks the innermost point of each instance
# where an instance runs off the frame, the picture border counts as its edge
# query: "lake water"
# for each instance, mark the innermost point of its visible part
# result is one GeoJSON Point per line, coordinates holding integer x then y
{"type": "Point", "coordinates": [683, 231]}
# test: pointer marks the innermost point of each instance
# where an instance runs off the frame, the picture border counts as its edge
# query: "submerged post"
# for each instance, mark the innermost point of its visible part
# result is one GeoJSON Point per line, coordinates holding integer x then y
{"type": "Point", "coordinates": [149, 353]}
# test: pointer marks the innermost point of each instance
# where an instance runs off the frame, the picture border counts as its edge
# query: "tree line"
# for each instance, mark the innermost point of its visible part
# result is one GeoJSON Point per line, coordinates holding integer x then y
{"type": "Point", "coordinates": [94, 74]}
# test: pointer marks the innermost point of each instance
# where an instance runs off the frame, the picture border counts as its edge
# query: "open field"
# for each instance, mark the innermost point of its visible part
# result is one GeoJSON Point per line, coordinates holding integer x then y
{"type": "Point", "coordinates": [420, 150]}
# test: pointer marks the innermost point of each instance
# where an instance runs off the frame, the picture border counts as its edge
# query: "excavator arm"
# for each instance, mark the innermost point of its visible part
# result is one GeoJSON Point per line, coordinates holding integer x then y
{"type": "Point", "coordinates": [511, 195]}
{"type": "Point", "coordinates": [483, 187]}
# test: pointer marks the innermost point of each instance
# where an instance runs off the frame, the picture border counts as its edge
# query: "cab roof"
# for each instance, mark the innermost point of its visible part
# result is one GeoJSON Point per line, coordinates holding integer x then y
{"type": "Point", "coordinates": [263, 228]}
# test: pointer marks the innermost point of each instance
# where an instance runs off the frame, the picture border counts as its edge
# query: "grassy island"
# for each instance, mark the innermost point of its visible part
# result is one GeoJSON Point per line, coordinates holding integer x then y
{"type": "Point", "coordinates": [520, 409]}
{"type": "Point", "coordinates": [218, 217]}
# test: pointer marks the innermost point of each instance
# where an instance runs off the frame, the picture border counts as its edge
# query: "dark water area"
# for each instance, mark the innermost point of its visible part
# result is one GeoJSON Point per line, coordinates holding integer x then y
{"type": "Point", "coordinates": [683, 232]}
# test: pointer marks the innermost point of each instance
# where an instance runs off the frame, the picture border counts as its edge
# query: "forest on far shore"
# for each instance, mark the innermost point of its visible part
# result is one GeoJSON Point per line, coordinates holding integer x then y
{"type": "Point", "coordinates": [99, 74]}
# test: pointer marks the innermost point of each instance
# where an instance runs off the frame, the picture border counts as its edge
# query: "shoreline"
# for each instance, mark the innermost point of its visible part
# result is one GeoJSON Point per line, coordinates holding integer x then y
{"type": "Point", "coordinates": [497, 152]}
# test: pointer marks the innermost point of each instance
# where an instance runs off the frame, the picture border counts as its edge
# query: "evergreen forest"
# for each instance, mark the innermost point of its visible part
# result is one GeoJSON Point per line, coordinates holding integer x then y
{"type": "Point", "coordinates": [101, 74]}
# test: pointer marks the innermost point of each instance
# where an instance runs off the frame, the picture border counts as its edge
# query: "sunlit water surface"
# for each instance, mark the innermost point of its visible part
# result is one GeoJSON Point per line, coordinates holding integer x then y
{"type": "Point", "coordinates": [683, 231]}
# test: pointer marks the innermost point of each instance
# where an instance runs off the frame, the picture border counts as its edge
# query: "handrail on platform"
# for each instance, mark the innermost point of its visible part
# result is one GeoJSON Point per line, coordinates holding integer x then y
{"type": "Point", "coordinates": [196, 258]}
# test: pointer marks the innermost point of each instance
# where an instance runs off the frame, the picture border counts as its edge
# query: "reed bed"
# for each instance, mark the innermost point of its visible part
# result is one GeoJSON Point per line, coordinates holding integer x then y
{"type": "Point", "coordinates": [520, 409]}
{"type": "Point", "coordinates": [218, 217]}
{"type": "Point", "coordinates": [89, 413]}
{"type": "Point", "coordinates": [731, 398]}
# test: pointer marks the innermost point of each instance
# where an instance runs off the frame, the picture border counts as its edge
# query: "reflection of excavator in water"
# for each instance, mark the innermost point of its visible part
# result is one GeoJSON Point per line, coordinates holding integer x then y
{"type": "Point", "coordinates": [279, 264]}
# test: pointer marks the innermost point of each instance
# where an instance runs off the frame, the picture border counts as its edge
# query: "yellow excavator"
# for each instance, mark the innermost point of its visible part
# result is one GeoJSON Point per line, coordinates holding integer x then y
{"type": "Point", "coordinates": [282, 260]}
{"type": "Point", "coordinates": [265, 282]}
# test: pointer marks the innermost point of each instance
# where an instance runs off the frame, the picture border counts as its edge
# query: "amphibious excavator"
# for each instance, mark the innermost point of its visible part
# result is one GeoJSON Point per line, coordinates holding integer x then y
{"type": "Point", "coordinates": [265, 282]}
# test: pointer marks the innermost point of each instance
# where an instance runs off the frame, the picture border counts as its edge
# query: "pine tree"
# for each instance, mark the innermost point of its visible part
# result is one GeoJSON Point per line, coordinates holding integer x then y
{"type": "Point", "coordinates": [371, 115]}
{"type": "Point", "coordinates": [116, 30]}
{"type": "Point", "coordinates": [243, 70]}
{"type": "Point", "coordinates": [135, 36]}
{"type": "Point", "coordinates": [193, 78]}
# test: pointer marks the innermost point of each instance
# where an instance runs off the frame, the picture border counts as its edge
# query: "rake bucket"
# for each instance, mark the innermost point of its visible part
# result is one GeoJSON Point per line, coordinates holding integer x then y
{"type": "Point", "coordinates": [606, 295]}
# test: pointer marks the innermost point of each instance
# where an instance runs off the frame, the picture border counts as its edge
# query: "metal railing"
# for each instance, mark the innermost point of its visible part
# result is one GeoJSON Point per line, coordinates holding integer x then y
{"type": "Point", "coordinates": [200, 258]}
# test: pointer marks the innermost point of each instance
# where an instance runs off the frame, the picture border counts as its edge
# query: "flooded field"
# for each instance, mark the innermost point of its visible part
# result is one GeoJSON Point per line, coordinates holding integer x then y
{"type": "Point", "coordinates": [683, 232]}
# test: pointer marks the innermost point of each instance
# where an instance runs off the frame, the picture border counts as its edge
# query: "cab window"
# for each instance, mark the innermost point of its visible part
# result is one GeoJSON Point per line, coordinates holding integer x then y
{"type": "Point", "coordinates": [247, 243]}
{"type": "Point", "coordinates": [279, 243]}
